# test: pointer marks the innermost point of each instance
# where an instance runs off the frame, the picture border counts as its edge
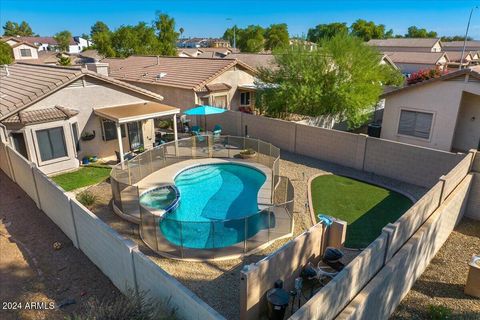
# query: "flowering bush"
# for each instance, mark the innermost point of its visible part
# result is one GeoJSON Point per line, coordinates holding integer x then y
{"type": "Point", "coordinates": [425, 74]}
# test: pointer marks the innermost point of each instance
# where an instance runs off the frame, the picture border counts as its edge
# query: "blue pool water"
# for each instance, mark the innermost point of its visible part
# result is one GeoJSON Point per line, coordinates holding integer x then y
{"type": "Point", "coordinates": [218, 206]}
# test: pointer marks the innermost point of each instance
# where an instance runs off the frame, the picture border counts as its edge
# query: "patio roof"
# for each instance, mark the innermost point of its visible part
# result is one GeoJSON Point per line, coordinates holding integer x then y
{"type": "Point", "coordinates": [136, 112]}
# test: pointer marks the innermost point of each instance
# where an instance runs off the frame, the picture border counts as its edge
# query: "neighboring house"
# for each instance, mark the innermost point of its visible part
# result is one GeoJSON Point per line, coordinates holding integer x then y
{"type": "Point", "coordinates": [82, 43]}
{"type": "Point", "coordinates": [407, 44]}
{"type": "Point", "coordinates": [54, 116]}
{"type": "Point", "coordinates": [204, 52]}
{"type": "Point", "coordinates": [456, 58]}
{"type": "Point", "coordinates": [255, 60]}
{"type": "Point", "coordinates": [410, 62]}
{"type": "Point", "coordinates": [22, 50]}
{"type": "Point", "coordinates": [458, 45]}
{"type": "Point", "coordinates": [186, 82]}
{"type": "Point", "coordinates": [385, 60]}
{"type": "Point", "coordinates": [47, 43]}
{"type": "Point", "coordinates": [192, 43]}
{"type": "Point", "coordinates": [301, 42]}
{"type": "Point", "coordinates": [218, 43]}
{"type": "Point", "coordinates": [441, 113]}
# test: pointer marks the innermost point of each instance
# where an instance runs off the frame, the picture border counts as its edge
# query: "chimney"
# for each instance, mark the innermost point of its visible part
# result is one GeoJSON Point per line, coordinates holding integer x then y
{"type": "Point", "coordinates": [98, 67]}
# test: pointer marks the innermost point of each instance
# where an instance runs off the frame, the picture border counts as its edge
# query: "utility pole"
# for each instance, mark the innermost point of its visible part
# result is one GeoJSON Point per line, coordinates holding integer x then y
{"type": "Point", "coordinates": [466, 35]}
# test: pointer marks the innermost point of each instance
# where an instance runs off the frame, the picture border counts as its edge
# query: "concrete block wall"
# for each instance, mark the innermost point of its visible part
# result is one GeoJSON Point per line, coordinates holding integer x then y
{"type": "Point", "coordinates": [285, 264]}
{"type": "Point", "coordinates": [160, 285]}
{"type": "Point", "coordinates": [332, 298]}
{"type": "Point", "coordinates": [280, 133]}
{"type": "Point", "coordinates": [5, 161]}
{"type": "Point", "coordinates": [412, 220]}
{"type": "Point", "coordinates": [416, 165]}
{"type": "Point", "coordinates": [385, 291]}
{"type": "Point", "coordinates": [110, 252]}
{"type": "Point", "coordinates": [23, 174]}
{"type": "Point", "coordinates": [453, 178]}
{"type": "Point", "coordinates": [55, 204]}
{"type": "Point", "coordinates": [476, 162]}
{"type": "Point", "coordinates": [473, 206]}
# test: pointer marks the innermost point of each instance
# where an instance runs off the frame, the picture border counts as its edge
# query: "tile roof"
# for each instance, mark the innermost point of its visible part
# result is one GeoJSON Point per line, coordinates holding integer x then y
{"type": "Point", "coordinates": [404, 42]}
{"type": "Point", "coordinates": [22, 84]}
{"type": "Point", "coordinates": [43, 40]}
{"type": "Point", "coordinates": [415, 57]}
{"type": "Point", "coordinates": [41, 115]}
{"type": "Point", "coordinates": [472, 72]}
{"type": "Point", "coordinates": [218, 87]}
{"type": "Point", "coordinates": [456, 56]}
{"type": "Point", "coordinates": [458, 45]}
{"type": "Point", "coordinates": [180, 72]}
{"type": "Point", "coordinates": [255, 60]}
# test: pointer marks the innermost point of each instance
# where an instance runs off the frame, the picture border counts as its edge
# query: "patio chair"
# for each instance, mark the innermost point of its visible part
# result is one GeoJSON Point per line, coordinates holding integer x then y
{"type": "Point", "coordinates": [199, 137]}
{"type": "Point", "coordinates": [126, 156]}
{"type": "Point", "coordinates": [217, 128]}
{"type": "Point", "coordinates": [195, 129]}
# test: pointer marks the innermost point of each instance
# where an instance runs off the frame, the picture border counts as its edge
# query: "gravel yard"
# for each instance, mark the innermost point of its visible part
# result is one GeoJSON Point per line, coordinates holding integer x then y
{"type": "Point", "coordinates": [442, 283]}
{"type": "Point", "coordinates": [210, 279]}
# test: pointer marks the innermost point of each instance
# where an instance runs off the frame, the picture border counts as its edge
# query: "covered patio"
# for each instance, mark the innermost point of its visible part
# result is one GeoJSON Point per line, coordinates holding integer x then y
{"type": "Point", "coordinates": [139, 120]}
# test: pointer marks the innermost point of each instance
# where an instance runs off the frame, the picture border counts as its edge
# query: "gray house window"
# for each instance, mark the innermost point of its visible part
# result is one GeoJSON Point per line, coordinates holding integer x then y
{"type": "Point", "coordinates": [110, 130]}
{"type": "Point", "coordinates": [25, 52]}
{"type": "Point", "coordinates": [415, 124]}
{"type": "Point", "coordinates": [51, 143]}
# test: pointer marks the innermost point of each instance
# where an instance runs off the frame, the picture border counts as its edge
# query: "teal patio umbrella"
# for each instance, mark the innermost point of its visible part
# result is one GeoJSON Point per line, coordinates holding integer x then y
{"type": "Point", "coordinates": [204, 111]}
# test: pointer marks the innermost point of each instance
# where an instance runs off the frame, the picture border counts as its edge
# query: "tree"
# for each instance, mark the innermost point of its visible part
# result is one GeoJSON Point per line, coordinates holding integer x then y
{"type": "Point", "coordinates": [228, 34]}
{"type": "Point", "coordinates": [135, 40]}
{"type": "Point", "coordinates": [455, 38]}
{"type": "Point", "coordinates": [368, 30]}
{"type": "Point", "coordinates": [102, 39]}
{"type": "Point", "coordinates": [326, 31]}
{"type": "Point", "coordinates": [181, 30]}
{"type": "Point", "coordinates": [99, 27]}
{"type": "Point", "coordinates": [12, 29]}
{"type": "Point", "coordinates": [64, 61]}
{"type": "Point", "coordinates": [342, 78]}
{"type": "Point", "coordinates": [167, 36]}
{"type": "Point", "coordinates": [6, 53]}
{"type": "Point", "coordinates": [414, 32]}
{"type": "Point", "coordinates": [251, 39]}
{"type": "Point", "coordinates": [63, 39]}
{"type": "Point", "coordinates": [276, 36]}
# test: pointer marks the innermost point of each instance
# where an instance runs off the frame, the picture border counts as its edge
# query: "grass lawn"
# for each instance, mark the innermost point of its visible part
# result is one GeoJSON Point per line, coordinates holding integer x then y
{"type": "Point", "coordinates": [365, 207]}
{"type": "Point", "coordinates": [82, 177]}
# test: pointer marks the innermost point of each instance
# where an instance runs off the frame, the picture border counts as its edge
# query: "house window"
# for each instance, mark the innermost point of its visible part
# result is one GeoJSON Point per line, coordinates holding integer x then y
{"type": "Point", "coordinates": [110, 130]}
{"type": "Point", "coordinates": [76, 139]}
{"type": "Point", "coordinates": [25, 52]}
{"type": "Point", "coordinates": [51, 143]}
{"type": "Point", "coordinates": [244, 98]}
{"type": "Point", "coordinates": [415, 124]}
{"type": "Point", "coordinates": [19, 143]}
{"type": "Point", "coordinates": [220, 101]}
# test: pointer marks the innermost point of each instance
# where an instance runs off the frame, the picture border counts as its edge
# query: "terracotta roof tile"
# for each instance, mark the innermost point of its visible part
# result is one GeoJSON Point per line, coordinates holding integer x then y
{"type": "Point", "coordinates": [40, 115]}
{"type": "Point", "coordinates": [218, 87]}
{"type": "Point", "coordinates": [22, 84]}
{"type": "Point", "coordinates": [188, 73]}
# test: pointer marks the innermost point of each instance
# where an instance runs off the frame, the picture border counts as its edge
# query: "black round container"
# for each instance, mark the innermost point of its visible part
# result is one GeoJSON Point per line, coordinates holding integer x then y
{"type": "Point", "coordinates": [277, 303]}
{"type": "Point", "coordinates": [374, 130]}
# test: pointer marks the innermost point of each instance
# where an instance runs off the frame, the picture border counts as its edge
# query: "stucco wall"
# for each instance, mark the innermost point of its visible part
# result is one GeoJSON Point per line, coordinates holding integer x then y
{"type": "Point", "coordinates": [175, 97]}
{"type": "Point", "coordinates": [467, 132]}
{"type": "Point", "coordinates": [18, 56]}
{"type": "Point", "coordinates": [234, 77]}
{"type": "Point", "coordinates": [473, 207]}
{"type": "Point", "coordinates": [96, 94]}
{"type": "Point", "coordinates": [442, 98]}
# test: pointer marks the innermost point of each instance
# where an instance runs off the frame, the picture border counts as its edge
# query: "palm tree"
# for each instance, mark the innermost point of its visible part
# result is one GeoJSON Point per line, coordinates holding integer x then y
{"type": "Point", "coordinates": [181, 30]}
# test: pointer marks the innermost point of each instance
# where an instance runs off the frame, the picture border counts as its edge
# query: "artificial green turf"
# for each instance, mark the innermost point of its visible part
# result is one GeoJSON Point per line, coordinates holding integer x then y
{"type": "Point", "coordinates": [365, 207]}
{"type": "Point", "coordinates": [82, 177]}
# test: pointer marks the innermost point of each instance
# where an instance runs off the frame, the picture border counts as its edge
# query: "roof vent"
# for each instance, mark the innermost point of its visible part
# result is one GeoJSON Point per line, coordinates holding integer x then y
{"type": "Point", "coordinates": [145, 74]}
{"type": "Point", "coordinates": [160, 75]}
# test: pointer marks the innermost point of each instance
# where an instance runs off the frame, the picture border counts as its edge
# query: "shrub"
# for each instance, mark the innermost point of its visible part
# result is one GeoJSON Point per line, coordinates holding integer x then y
{"type": "Point", "coordinates": [87, 198]}
{"type": "Point", "coordinates": [439, 312]}
{"type": "Point", "coordinates": [131, 306]}
{"type": "Point", "coordinates": [425, 74]}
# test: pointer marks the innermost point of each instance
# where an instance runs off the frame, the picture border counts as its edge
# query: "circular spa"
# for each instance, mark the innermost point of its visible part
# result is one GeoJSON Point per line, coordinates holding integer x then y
{"type": "Point", "coordinates": [204, 199]}
{"type": "Point", "coordinates": [216, 202]}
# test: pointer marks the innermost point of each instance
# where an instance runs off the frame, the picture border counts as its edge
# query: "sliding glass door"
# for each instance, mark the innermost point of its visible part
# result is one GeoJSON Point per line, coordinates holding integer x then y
{"type": "Point", "coordinates": [135, 136]}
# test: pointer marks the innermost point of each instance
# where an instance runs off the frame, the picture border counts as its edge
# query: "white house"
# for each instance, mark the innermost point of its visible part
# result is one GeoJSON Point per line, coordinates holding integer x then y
{"type": "Point", "coordinates": [47, 43]}
{"type": "Point", "coordinates": [441, 113]}
{"type": "Point", "coordinates": [410, 62]}
{"type": "Point", "coordinates": [82, 43]}
{"type": "Point", "coordinates": [22, 50]}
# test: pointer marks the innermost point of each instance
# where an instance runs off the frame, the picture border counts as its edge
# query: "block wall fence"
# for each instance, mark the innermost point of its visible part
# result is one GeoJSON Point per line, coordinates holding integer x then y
{"type": "Point", "coordinates": [118, 258]}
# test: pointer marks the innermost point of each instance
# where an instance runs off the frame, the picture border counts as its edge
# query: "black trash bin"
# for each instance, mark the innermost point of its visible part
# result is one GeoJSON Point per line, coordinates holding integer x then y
{"type": "Point", "coordinates": [277, 303]}
{"type": "Point", "coordinates": [374, 130]}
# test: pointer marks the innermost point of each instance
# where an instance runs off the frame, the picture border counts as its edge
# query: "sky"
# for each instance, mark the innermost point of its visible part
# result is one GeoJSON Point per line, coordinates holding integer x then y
{"type": "Point", "coordinates": [211, 18]}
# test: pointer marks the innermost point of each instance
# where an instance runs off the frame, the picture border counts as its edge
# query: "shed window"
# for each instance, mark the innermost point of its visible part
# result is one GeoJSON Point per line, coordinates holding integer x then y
{"type": "Point", "coordinates": [415, 124]}
{"type": "Point", "coordinates": [51, 143]}
{"type": "Point", "coordinates": [25, 52]}
{"type": "Point", "coordinates": [110, 130]}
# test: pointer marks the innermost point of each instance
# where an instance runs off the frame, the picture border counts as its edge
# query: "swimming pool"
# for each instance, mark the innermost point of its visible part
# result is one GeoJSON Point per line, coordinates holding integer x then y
{"type": "Point", "coordinates": [218, 206]}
